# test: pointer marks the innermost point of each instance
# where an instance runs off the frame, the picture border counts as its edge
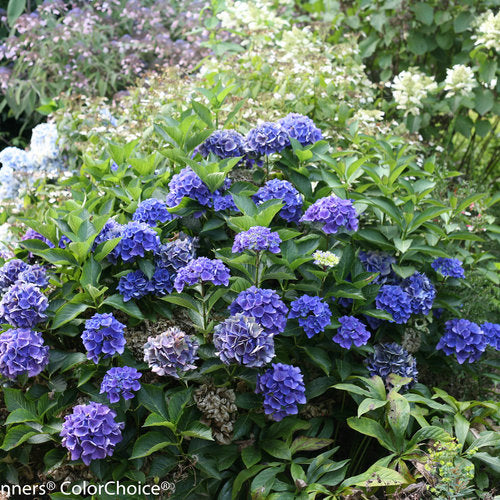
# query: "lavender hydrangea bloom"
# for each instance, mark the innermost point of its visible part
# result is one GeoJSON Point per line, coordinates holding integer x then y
{"type": "Point", "coordinates": [448, 267]}
{"type": "Point", "coordinates": [103, 334]}
{"type": "Point", "coordinates": [137, 239]}
{"type": "Point", "coordinates": [421, 292]}
{"type": "Point", "coordinates": [22, 351]}
{"type": "Point", "coordinates": [264, 305]}
{"type": "Point", "coordinates": [120, 382]}
{"type": "Point", "coordinates": [276, 189]}
{"type": "Point", "coordinates": [161, 282]}
{"type": "Point", "coordinates": [133, 285]}
{"type": "Point", "coordinates": [110, 231]}
{"type": "Point", "coordinates": [151, 212]}
{"type": "Point", "coordinates": [283, 389]}
{"type": "Point", "coordinates": [31, 234]}
{"type": "Point", "coordinates": [171, 353]}
{"type": "Point", "coordinates": [224, 144]}
{"type": "Point", "coordinates": [392, 358]}
{"type": "Point", "coordinates": [64, 241]}
{"type": "Point", "coordinates": [334, 213]}
{"type": "Point", "coordinates": [37, 275]}
{"type": "Point", "coordinates": [10, 271]}
{"type": "Point", "coordinates": [492, 333]}
{"type": "Point", "coordinates": [202, 269]}
{"type": "Point", "coordinates": [90, 432]}
{"type": "Point", "coordinates": [23, 305]}
{"type": "Point", "coordinates": [301, 128]}
{"type": "Point", "coordinates": [257, 238]}
{"type": "Point", "coordinates": [240, 339]}
{"type": "Point", "coordinates": [351, 331]}
{"type": "Point", "coordinates": [379, 262]}
{"type": "Point", "coordinates": [313, 313]}
{"type": "Point", "coordinates": [223, 201]}
{"type": "Point", "coordinates": [176, 253]}
{"type": "Point", "coordinates": [14, 158]}
{"type": "Point", "coordinates": [267, 138]}
{"type": "Point", "coordinates": [394, 300]}
{"type": "Point", "coordinates": [463, 338]}
{"type": "Point", "coordinates": [187, 184]}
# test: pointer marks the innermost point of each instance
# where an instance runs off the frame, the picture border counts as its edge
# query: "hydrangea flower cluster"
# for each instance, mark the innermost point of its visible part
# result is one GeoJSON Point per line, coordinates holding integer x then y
{"type": "Point", "coordinates": [120, 382]}
{"type": "Point", "coordinates": [90, 432]}
{"type": "Point", "coordinates": [171, 353]}
{"type": "Point", "coordinates": [277, 189]}
{"type": "Point", "coordinates": [161, 282]}
{"type": "Point", "coordinates": [394, 300]}
{"type": "Point", "coordinates": [264, 305]}
{"type": "Point", "coordinates": [301, 128]}
{"type": "Point", "coordinates": [22, 351]}
{"type": "Point", "coordinates": [103, 335]}
{"type": "Point", "coordinates": [463, 338]}
{"type": "Point", "coordinates": [334, 213]}
{"type": "Point", "coordinates": [23, 305]}
{"type": "Point", "coordinates": [392, 358]}
{"type": "Point", "coordinates": [448, 267]}
{"type": "Point", "coordinates": [488, 29]}
{"type": "Point", "coordinates": [283, 389]}
{"type": "Point", "coordinates": [267, 138]}
{"type": "Point", "coordinates": [313, 313]}
{"type": "Point", "coordinates": [187, 184]}
{"type": "Point", "coordinates": [133, 285]}
{"type": "Point", "coordinates": [111, 230]}
{"type": "Point", "coordinates": [379, 262]}
{"type": "Point", "coordinates": [176, 253]}
{"type": "Point", "coordinates": [459, 80]}
{"type": "Point", "coordinates": [257, 238]}
{"type": "Point", "coordinates": [10, 271]}
{"type": "Point", "coordinates": [325, 259]}
{"type": "Point", "coordinates": [137, 239]}
{"type": "Point", "coordinates": [223, 143]}
{"type": "Point", "coordinates": [351, 331]}
{"type": "Point", "coordinates": [202, 269]}
{"type": "Point", "coordinates": [151, 212]}
{"type": "Point", "coordinates": [14, 159]}
{"type": "Point", "coordinates": [240, 339]}
{"type": "Point", "coordinates": [421, 292]}
{"type": "Point", "coordinates": [37, 275]}
{"type": "Point", "coordinates": [492, 332]}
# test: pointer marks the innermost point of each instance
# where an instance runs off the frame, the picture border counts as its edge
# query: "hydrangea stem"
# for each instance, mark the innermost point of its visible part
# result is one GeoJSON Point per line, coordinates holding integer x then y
{"type": "Point", "coordinates": [257, 266]}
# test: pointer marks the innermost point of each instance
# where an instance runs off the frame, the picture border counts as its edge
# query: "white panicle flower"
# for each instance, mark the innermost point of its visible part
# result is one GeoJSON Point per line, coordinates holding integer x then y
{"type": "Point", "coordinates": [459, 80]}
{"type": "Point", "coordinates": [488, 30]}
{"type": "Point", "coordinates": [410, 88]}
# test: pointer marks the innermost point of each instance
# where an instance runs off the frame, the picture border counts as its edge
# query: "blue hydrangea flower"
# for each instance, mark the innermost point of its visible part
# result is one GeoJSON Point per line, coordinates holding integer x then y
{"type": "Point", "coordinates": [351, 331]}
{"type": "Point", "coordinates": [137, 239]}
{"type": "Point", "coordinates": [34, 274]}
{"type": "Point", "coordinates": [187, 184]}
{"type": "Point", "coordinates": [276, 189]}
{"type": "Point", "coordinates": [31, 234]}
{"type": "Point", "coordinates": [448, 267]}
{"type": "Point", "coordinates": [492, 333]}
{"type": "Point", "coordinates": [240, 339]}
{"type": "Point", "coordinates": [176, 253]}
{"type": "Point", "coordinates": [90, 432]}
{"type": "Point", "coordinates": [283, 389]}
{"type": "Point", "coordinates": [257, 238]}
{"type": "Point", "coordinates": [134, 285]}
{"type": "Point", "coordinates": [313, 313]}
{"type": "Point", "coordinates": [202, 269]}
{"type": "Point", "coordinates": [161, 282]}
{"type": "Point", "coordinates": [110, 231]}
{"type": "Point", "coordinates": [301, 128]}
{"type": "Point", "coordinates": [22, 351]}
{"type": "Point", "coordinates": [171, 353]}
{"type": "Point", "coordinates": [120, 382]}
{"type": "Point", "coordinates": [394, 300]}
{"type": "Point", "coordinates": [223, 143]}
{"type": "Point", "coordinates": [267, 138]}
{"type": "Point", "coordinates": [463, 338]}
{"type": "Point", "coordinates": [392, 358]}
{"type": "Point", "coordinates": [14, 158]}
{"type": "Point", "coordinates": [23, 305]}
{"type": "Point", "coordinates": [64, 241]}
{"type": "Point", "coordinates": [10, 271]}
{"type": "Point", "coordinates": [223, 201]}
{"type": "Point", "coordinates": [379, 262]}
{"type": "Point", "coordinates": [334, 213]}
{"type": "Point", "coordinates": [264, 305]}
{"type": "Point", "coordinates": [421, 292]}
{"type": "Point", "coordinates": [151, 212]}
{"type": "Point", "coordinates": [103, 335]}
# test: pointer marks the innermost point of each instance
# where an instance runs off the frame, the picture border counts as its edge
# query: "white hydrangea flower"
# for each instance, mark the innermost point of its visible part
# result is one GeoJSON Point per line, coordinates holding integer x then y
{"type": "Point", "coordinates": [488, 30]}
{"type": "Point", "coordinates": [459, 80]}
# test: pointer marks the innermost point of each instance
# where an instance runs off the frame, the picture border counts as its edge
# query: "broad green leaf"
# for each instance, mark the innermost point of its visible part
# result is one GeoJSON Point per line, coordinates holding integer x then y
{"type": "Point", "coordinates": [17, 435]}
{"type": "Point", "coordinates": [149, 443]}
{"type": "Point", "coordinates": [67, 313]}
{"type": "Point", "coordinates": [128, 307]}
{"type": "Point", "coordinates": [371, 428]}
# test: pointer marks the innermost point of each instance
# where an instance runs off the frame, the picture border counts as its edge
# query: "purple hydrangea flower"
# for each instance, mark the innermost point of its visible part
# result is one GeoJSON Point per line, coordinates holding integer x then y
{"type": "Point", "coordinates": [90, 432]}
{"type": "Point", "coordinates": [448, 267]}
{"type": "Point", "coordinates": [171, 353]}
{"type": "Point", "coordinates": [267, 138]}
{"type": "Point", "coordinates": [64, 241]}
{"type": "Point", "coordinates": [110, 231]}
{"type": "Point", "coordinates": [137, 239]}
{"type": "Point", "coordinates": [223, 201]}
{"type": "Point", "coordinates": [463, 338]}
{"type": "Point", "coordinates": [379, 262]}
{"type": "Point", "coordinates": [283, 389]}
{"type": "Point", "coordinates": [133, 285]}
{"type": "Point", "coordinates": [240, 339]}
{"type": "Point", "coordinates": [421, 292]}
{"type": "Point", "coordinates": [187, 184]}
{"type": "Point", "coordinates": [492, 332]}
{"type": "Point", "coordinates": [264, 305]}
{"type": "Point", "coordinates": [223, 143]}
{"type": "Point", "coordinates": [392, 358]}
{"type": "Point", "coordinates": [161, 282]}
{"type": "Point", "coordinates": [103, 334]}
{"type": "Point", "coordinates": [23, 305]}
{"type": "Point", "coordinates": [22, 351]}
{"type": "Point", "coordinates": [151, 212]}
{"type": "Point", "coordinates": [334, 213]}
{"type": "Point", "coordinates": [202, 269]}
{"type": "Point", "coordinates": [313, 313]}
{"type": "Point", "coordinates": [10, 271]}
{"type": "Point", "coordinates": [301, 128]}
{"type": "Point", "coordinates": [37, 275]}
{"type": "Point", "coordinates": [257, 238]}
{"type": "Point", "coordinates": [120, 382]}
{"type": "Point", "coordinates": [31, 234]}
{"type": "Point", "coordinates": [276, 189]}
{"type": "Point", "coordinates": [394, 300]}
{"type": "Point", "coordinates": [176, 253]}
{"type": "Point", "coordinates": [351, 331]}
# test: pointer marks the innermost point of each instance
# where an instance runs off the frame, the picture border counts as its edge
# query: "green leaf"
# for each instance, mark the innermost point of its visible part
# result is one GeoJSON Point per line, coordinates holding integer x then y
{"type": "Point", "coordinates": [276, 448]}
{"type": "Point", "coordinates": [155, 420]}
{"type": "Point", "coordinates": [320, 358]}
{"type": "Point", "coordinates": [200, 431]}
{"type": "Point", "coordinates": [462, 22]}
{"type": "Point", "coordinates": [149, 443]}
{"type": "Point", "coordinates": [398, 415]}
{"type": "Point", "coordinates": [67, 313]}
{"type": "Point", "coordinates": [14, 9]}
{"type": "Point", "coordinates": [250, 456]}
{"type": "Point", "coordinates": [304, 443]}
{"type": "Point", "coordinates": [20, 415]}
{"type": "Point", "coordinates": [128, 307]}
{"type": "Point", "coordinates": [371, 428]}
{"type": "Point", "coordinates": [203, 112]}
{"type": "Point", "coordinates": [484, 101]}
{"type": "Point", "coordinates": [243, 476]}
{"type": "Point", "coordinates": [486, 458]}
{"type": "Point", "coordinates": [461, 428]}
{"type": "Point", "coordinates": [153, 398]}
{"type": "Point", "coordinates": [103, 249]}
{"type": "Point", "coordinates": [369, 404]}
{"type": "Point", "coordinates": [183, 300]}
{"type": "Point", "coordinates": [17, 435]}
{"type": "Point", "coordinates": [430, 432]}
{"type": "Point", "coordinates": [376, 476]}
{"type": "Point", "coordinates": [90, 272]}
{"type": "Point", "coordinates": [424, 13]}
